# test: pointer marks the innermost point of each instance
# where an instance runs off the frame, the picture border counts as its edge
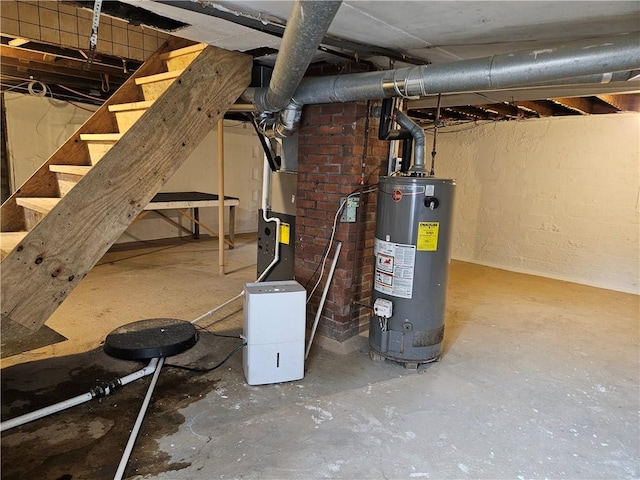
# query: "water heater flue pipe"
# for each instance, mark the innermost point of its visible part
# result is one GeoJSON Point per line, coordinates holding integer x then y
{"type": "Point", "coordinates": [386, 119]}
{"type": "Point", "coordinates": [418, 168]}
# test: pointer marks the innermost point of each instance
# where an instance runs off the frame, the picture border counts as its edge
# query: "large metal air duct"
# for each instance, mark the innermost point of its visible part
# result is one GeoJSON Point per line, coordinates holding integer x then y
{"type": "Point", "coordinates": [549, 65]}
{"type": "Point", "coordinates": [307, 25]}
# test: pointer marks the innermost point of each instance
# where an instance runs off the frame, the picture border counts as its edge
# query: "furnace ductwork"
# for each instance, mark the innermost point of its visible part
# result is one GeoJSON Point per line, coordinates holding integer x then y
{"type": "Point", "coordinates": [550, 65]}
{"type": "Point", "coordinates": [588, 60]}
{"type": "Point", "coordinates": [307, 25]}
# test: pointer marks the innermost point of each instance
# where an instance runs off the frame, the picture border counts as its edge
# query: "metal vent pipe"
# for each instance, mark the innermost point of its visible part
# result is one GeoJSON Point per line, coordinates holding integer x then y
{"type": "Point", "coordinates": [417, 132]}
{"type": "Point", "coordinates": [307, 25]}
{"type": "Point", "coordinates": [414, 131]}
{"type": "Point", "coordinates": [550, 65]}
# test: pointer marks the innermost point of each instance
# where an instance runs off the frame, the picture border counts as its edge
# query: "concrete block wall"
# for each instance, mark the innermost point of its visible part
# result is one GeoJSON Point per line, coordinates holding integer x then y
{"type": "Point", "coordinates": [557, 197]}
{"type": "Point", "coordinates": [331, 144]}
{"type": "Point", "coordinates": [65, 25]}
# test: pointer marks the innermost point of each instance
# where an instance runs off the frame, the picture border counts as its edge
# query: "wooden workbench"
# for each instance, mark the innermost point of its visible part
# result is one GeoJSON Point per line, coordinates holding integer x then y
{"type": "Point", "coordinates": [183, 201]}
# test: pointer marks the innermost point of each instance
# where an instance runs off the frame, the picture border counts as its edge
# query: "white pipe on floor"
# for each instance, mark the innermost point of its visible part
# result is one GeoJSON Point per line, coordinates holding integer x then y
{"type": "Point", "coordinates": [72, 402]}
{"type": "Point", "coordinates": [211, 312]}
{"type": "Point", "coordinates": [136, 428]}
{"type": "Point", "coordinates": [324, 297]}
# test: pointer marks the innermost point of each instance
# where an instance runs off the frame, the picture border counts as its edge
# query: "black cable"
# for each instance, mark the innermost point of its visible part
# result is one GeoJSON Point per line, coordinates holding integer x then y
{"type": "Point", "coordinates": [205, 370]}
{"type": "Point", "coordinates": [217, 334]}
{"type": "Point", "coordinates": [274, 160]}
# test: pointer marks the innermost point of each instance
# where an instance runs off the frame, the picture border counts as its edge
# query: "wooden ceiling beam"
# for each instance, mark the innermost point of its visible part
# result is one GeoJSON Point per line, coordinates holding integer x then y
{"type": "Point", "coordinates": [46, 58]}
{"type": "Point", "coordinates": [422, 113]}
{"type": "Point", "coordinates": [538, 106]}
{"type": "Point", "coordinates": [623, 102]}
{"type": "Point", "coordinates": [584, 105]}
{"type": "Point", "coordinates": [504, 109]}
{"type": "Point", "coordinates": [52, 69]}
{"type": "Point", "coordinates": [455, 113]}
{"type": "Point", "coordinates": [480, 113]}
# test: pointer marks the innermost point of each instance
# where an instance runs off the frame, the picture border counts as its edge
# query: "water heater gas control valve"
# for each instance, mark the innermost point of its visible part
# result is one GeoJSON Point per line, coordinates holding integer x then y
{"type": "Point", "coordinates": [383, 308]}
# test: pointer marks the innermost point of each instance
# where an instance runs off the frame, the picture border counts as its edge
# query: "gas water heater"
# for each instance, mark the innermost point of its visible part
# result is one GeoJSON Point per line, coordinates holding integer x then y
{"type": "Point", "coordinates": [412, 255]}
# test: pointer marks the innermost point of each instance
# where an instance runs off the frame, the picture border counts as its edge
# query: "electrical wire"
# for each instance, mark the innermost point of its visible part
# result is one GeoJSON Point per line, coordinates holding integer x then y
{"type": "Point", "coordinates": [20, 85]}
{"type": "Point", "coordinates": [210, 369]}
{"type": "Point", "coordinates": [327, 248]}
{"type": "Point", "coordinates": [205, 329]}
{"type": "Point", "coordinates": [476, 124]}
{"type": "Point", "coordinates": [80, 93]}
{"type": "Point", "coordinates": [81, 108]}
{"type": "Point", "coordinates": [355, 193]}
{"type": "Point", "coordinates": [22, 89]}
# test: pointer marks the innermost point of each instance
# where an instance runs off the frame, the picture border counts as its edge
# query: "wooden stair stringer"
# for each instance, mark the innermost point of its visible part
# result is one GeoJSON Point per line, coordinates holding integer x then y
{"type": "Point", "coordinates": [66, 244]}
{"type": "Point", "coordinates": [43, 182]}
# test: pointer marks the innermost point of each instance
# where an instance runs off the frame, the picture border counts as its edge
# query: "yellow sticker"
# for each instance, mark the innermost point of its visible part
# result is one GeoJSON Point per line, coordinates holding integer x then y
{"type": "Point", "coordinates": [285, 228]}
{"type": "Point", "coordinates": [428, 236]}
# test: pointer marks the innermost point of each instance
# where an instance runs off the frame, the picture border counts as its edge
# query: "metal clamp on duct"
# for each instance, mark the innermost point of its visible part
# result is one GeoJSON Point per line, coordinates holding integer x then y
{"type": "Point", "coordinates": [280, 124]}
{"type": "Point", "coordinates": [406, 82]}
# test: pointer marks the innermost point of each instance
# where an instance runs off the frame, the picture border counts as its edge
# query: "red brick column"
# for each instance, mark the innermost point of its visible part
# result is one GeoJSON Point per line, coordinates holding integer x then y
{"type": "Point", "coordinates": [330, 156]}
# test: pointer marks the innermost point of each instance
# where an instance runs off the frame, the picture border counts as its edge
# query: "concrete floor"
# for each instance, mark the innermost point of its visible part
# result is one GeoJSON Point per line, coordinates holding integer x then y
{"type": "Point", "coordinates": [539, 379]}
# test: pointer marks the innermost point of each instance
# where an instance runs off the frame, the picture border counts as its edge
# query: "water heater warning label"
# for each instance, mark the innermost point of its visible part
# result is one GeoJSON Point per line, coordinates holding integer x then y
{"type": "Point", "coordinates": [395, 264]}
{"type": "Point", "coordinates": [428, 236]}
{"type": "Point", "coordinates": [285, 231]}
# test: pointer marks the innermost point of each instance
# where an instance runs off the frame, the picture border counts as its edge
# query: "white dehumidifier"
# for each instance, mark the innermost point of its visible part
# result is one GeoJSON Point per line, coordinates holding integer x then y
{"type": "Point", "coordinates": [274, 328]}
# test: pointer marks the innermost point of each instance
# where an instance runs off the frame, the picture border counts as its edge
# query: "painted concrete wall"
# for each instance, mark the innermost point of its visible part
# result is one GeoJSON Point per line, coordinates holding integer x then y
{"type": "Point", "coordinates": [37, 126]}
{"type": "Point", "coordinates": [557, 197]}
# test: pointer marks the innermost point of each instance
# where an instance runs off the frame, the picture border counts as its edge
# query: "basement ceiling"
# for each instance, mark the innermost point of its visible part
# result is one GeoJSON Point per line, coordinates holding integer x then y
{"type": "Point", "coordinates": [393, 34]}
{"type": "Point", "coordinates": [378, 34]}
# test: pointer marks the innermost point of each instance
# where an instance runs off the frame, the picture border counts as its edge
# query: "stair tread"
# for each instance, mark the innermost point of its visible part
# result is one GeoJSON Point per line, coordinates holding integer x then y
{"type": "Point", "coordinates": [70, 169]}
{"type": "Point", "coordinates": [124, 107]}
{"type": "Point", "coordinates": [159, 77]}
{"type": "Point", "coordinates": [104, 137]}
{"type": "Point", "coordinates": [39, 204]}
{"type": "Point", "coordinates": [9, 241]}
{"type": "Point", "coordinates": [183, 51]}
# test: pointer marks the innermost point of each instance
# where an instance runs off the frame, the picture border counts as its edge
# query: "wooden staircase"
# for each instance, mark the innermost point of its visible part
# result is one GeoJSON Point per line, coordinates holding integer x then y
{"type": "Point", "coordinates": [66, 216]}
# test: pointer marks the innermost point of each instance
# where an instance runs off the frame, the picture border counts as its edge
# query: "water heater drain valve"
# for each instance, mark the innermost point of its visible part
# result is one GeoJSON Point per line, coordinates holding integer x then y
{"type": "Point", "coordinates": [383, 308]}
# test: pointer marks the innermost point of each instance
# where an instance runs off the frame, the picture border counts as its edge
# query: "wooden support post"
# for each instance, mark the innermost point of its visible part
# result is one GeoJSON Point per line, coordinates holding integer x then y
{"type": "Point", "coordinates": [221, 196]}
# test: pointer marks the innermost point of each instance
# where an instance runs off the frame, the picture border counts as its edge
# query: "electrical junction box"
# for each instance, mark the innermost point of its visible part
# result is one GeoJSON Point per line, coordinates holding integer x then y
{"type": "Point", "coordinates": [274, 328]}
{"type": "Point", "coordinates": [350, 209]}
{"type": "Point", "coordinates": [383, 308]}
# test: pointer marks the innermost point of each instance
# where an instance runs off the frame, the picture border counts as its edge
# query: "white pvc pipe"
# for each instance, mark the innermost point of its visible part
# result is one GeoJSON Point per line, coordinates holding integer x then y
{"type": "Point", "coordinates": [43, 412]}
{"type": "Point", "coordinates": [266, 185]}
{"type": "Point", "coordinates": [211, 312]}
{"type": "Point", "coordinates": [136, 428]}
{"type": "Point", "coordinates": [72, 402]}
{"type": "Point", "coordinates": [148, 370]}
{"type": "Point", "coordinates": [324, 296]}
